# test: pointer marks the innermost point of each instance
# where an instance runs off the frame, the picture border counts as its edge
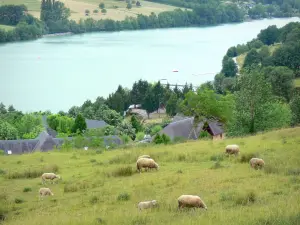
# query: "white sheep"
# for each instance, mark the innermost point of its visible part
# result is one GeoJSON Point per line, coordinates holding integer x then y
{"type": "Point", "coordinates": [232, 149]}
{"type": "Point", "coordinates": [44, 192]}
{"type": "Point", "coordinates": [147, 204]}
{"type": "Point", "coordinates": [257, 162]}
{"type": "Point", "coordinates": [191, 201]}
{"type": "Point", "coordinates": [49, 176]}
{"type": "Point", "coordinates": [144, 156]}
{"type": "Point", "coordinates": [146, 163]}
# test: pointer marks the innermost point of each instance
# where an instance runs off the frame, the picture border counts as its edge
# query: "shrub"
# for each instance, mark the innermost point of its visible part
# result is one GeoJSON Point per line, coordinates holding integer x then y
{"type": "Point", "coordinates": [165, 139]}
{"type": "Point", "coordinates": [125, 138]}
{"type": "Point", "coordinates": [99, 151]}
{"type": "Point", "coordinates": [204, 134]}
{"type": "Point", "coordinates": [157, 139]}
{"type": "Point", "coordinates": [93, 160]}
{"type": "Point", "coordinates": [95, 11]}
{"type": "Point", "coordinates": [2, 172]}
{"type": "Point", "coordinates": [181, 157]}
{"type": "Point", "coordinates": [123, 172]}
{"type": "Point", "coordinates": [2, 152]}
{"type": "Point", "coordinates": [245, 199]}
{"type": "Point", "coordinates": [155, 129]}
{"type": "Point", "coordinates": [123, 197]}
{"type": "Point", "coordinates": [245, 158]}
{"type": "Point", "coordinates": [27, 189]}
{"type": "Point", "coordinates": [94, 199]}
{"type": "Point", "coordinates": [96, 142]}
{"type": "Point", "coordinates": [103, 11]}
{"type": "Point", "coordinates": [140, 136]}
{"type": "Point", "coordinates": [19, 200]}
{"type": "Point", "coordinates": [101, 5]}
{"type": "Point", "coordinates": [87, 11]}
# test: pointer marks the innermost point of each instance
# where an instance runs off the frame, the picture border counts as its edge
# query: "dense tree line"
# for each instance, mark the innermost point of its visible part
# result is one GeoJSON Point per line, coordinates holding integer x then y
{"type": "Point", "coordinates": [27, 26]}
{"type": "Point", "coordinates": [15, 124]}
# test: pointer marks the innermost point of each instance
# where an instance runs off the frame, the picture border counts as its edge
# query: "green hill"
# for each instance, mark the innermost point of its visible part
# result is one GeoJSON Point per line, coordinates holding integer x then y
{"type": "Point", "coordinates": [98, 189]}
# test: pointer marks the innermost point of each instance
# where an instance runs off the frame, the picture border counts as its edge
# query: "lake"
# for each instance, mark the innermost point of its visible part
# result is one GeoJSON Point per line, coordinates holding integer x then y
{"type": "Point", "coordinates": [56, 73]}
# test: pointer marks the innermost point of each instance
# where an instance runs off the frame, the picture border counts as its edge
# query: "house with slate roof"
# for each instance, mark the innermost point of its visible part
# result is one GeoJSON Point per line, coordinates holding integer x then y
{"type": "Point", "coordinates": [47, 141]}
{"type": "Point", "coordinates": [185, 127]}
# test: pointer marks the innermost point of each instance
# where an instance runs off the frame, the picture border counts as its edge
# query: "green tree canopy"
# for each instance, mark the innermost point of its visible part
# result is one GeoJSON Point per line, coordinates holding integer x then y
{"type": "Point", "coordinates": [79, 124]}
{"type": "Point", "coordinates": [206, 104]}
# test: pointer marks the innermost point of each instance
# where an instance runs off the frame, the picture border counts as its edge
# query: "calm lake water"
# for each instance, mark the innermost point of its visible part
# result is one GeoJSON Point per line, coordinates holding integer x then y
{"type": "Point", "coordinates": [56, 73]}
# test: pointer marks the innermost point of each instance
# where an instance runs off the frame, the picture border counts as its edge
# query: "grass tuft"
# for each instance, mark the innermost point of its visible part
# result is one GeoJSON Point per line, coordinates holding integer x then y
{"type": "Point", "coordinates": [123, 197]}
{"type": "Point", "coordinates": [245, 158]}
{"type": "Point", "coordinates": [246, 198]}
{"type": "Point", "coordinates": [123, 172]}
{"type": "Point", "coordinates": [27, 189]}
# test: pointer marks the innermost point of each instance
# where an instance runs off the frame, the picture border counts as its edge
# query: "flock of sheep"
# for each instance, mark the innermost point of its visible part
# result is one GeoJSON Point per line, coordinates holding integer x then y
{"type": "Point", "coordinates": [146, 162]}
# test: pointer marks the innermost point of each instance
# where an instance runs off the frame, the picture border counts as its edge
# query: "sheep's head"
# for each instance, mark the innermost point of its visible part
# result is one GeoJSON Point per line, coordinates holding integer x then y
{"type": "Point", "coordinates": [154, 202]}
{"type": "Point", "coordinates": [51, 193]}
{"type": "Point", "coordinates": [58, 176]}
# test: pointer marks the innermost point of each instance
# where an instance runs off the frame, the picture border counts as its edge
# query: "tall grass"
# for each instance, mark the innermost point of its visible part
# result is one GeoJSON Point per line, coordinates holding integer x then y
{"type": "Point", "coordinates": [31, 172]}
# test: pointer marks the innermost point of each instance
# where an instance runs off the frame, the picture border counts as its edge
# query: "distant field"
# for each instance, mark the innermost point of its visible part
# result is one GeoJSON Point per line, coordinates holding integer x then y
{"type": "Point", "coordinates": [78, 8]}
{"type": "Point", "coordinates": [4, 27]}
{"type": "Point", "coordinates": [297, 82]}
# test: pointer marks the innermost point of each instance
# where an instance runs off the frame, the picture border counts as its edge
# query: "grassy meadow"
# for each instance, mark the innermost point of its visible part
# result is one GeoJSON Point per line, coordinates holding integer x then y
{"type": "Point", "coordinates": [78, 8]}
{"type": "Point", "coordinates": [104, 187]}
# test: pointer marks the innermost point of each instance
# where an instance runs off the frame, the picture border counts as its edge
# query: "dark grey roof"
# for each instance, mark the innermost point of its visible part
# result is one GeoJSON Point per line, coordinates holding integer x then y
{"type": "Point", "coordinates": [184, 127]}
{"type": "Point", "coordinates": [18, 146]}
{"type": "Point", "coordinates": [216, 128]}
{"type": "Point", "coordinates": [90, 124]}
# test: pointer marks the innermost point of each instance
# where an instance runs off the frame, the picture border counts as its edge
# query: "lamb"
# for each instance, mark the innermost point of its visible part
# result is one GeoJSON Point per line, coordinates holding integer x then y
{"type": "Point", "coordinates": [257, 162]}
{"type": "Point", "coordinates": [50, 176]}
{"type": "Point", "coordinates": [147, 204]}
{"type": "Point", "coordinates": [146, 163]}
{"type": "Point", "coordinates": [191, 201]}
{"type": "Point", "coordinates": [144, 156]}
{"type": "Point", "coordinates": [232, 149]}
{"type": "Point", "coordinates": [45, 191]}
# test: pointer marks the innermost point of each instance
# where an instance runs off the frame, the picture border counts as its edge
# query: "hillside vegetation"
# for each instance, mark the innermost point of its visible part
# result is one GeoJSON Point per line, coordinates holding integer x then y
{"type": "Point", "coordinates": [102, 189]}
{"type": "Point", "coordinates": [241, 58]}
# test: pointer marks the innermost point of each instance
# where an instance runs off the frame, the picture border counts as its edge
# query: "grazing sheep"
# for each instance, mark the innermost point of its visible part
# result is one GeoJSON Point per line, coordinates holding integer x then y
{"type": "Point", "coordinates": [191, 201]}
{"type": "Point", "coordinates": [257, 162]}
{"type": "Point", "coordinates": [232, 149]}
{"type": "Point", "coordinates": [49, 176]}
{"type": "Point", "coordinates": [147, 204]}
{"type": "Point", "coordinates": [44, 192]}
{"type": "Point", "coordinates": [144, 156]}
{"type": "Point", "coordinates": [146, 163]}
